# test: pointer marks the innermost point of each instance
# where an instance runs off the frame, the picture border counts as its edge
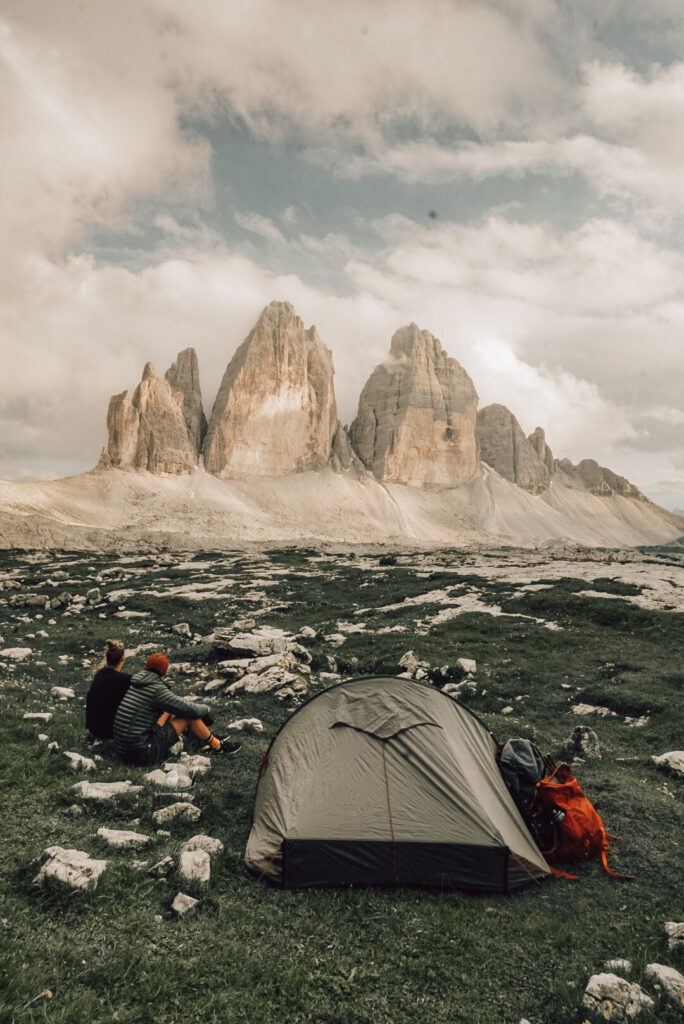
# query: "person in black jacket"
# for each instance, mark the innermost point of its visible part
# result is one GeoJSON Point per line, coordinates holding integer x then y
{"type": "Point", "coordinates": [107, 690]}
{"type": "Point", "coordinates": [151, 717]}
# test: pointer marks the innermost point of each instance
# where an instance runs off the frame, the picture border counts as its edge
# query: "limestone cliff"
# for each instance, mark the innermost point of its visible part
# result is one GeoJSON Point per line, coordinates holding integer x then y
{"type": "Point", "coordinates": [504, 447]}
{"type": "Point", "coordinates": [587, 475]}
{"type": "Point", "coordinates": [149, 431]}
{"type": "Point", "coordinates": [417, 414]}
{"type": "Point", "coordinates": [183, 376]}
{"type": "Point", "coordinates": [275, 411]}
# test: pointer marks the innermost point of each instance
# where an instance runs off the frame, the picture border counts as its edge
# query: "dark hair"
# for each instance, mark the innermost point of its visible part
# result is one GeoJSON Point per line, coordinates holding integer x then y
{"type": "Point", "coordinates": [113, 652]}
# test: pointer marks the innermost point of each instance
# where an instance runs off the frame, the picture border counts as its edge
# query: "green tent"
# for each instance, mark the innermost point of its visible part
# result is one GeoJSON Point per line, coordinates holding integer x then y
{"type": "Point", "coordinates": [384, 781]}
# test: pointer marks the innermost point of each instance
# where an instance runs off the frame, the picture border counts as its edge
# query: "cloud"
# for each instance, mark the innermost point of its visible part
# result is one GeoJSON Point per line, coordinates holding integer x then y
{"type": "Point", "coordinates": [258, 225]}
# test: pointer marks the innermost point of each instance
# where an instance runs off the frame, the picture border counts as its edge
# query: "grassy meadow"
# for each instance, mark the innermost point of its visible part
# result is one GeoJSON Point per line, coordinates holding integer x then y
{"type": "Point", "coordinates": [252, 953]}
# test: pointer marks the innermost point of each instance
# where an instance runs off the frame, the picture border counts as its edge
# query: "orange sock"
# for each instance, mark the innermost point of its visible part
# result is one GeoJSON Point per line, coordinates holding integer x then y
{"type": "Point", "coordinates": [214, 743]}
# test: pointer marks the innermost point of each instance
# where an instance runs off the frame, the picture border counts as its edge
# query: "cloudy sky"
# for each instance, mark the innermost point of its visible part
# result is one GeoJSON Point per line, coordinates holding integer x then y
{"type": "Point", "coordinates": [508, 174]}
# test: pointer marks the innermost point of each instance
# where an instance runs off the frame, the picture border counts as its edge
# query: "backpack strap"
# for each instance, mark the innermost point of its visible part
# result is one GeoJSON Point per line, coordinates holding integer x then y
{"type": "Point", "coordinates": [562, 874]}
{"type": "Point", "coordinates": [606, 847]}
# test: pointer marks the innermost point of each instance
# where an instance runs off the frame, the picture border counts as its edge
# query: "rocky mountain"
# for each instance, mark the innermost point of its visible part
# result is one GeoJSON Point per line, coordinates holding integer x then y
{"type": "Point", "coordinates": [183, 376]}
{"type": "Point", "coordinates": [275, 411]}
{"type": "Point", "coordinates": [150, 431]}
{"type": "Point", "coordinates": [589, 476]}
{"type": "Point", "coordinates": [503, 446]}
{"type": "Point", "coordinates": [417, 415]}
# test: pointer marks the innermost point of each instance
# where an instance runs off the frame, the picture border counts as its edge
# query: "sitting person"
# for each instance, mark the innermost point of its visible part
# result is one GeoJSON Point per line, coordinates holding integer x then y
{"type": "Point", "coordinates": [151, 718]}
{"type": "Point", "coordinates": [106, 692]}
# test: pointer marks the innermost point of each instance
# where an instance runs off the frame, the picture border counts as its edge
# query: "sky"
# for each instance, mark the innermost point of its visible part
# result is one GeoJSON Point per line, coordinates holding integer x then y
{"type": "Point", "coordinates": [506, 174]}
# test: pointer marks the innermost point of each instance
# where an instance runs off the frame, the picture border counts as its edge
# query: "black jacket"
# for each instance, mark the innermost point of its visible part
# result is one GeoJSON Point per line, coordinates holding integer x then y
{"type": "Point", "coordinates": [106, 692]}
{"type": "Point", "coordinates": [147, 698]}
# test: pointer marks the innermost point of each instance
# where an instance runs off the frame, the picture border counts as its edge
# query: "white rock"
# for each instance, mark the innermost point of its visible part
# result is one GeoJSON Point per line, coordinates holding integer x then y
{"type": "Point", "coordinates": [675, 934]}
{"type": "Point", "coordinates": [53, 746]}
{"type": "Point", "coordinates": [176, 812]}
{"type": "Point", "coordinates": [16, 654]}
{"type": "Point", "coordinates": [139, 865]}
{"type": "Point", "coordinates": [75, 810]}
{"type": "Point", "coordinates": [182, 629]}
{"type": "Point", "coordinates": [72, 867]}
{"type": "Point", "coordinates": [194, 764]}
{"type": "Point", "coordinates": [336, 639]}
{"type": "Point", "coordinates": [208, 844]}
{"type": "Point", "coordinates": [670, 980]}
{"type": "Point", "coordinates": [122, 839]}
{"type": "Point", "coordinates": [307, 631]}
{"type": "Point", "coordinates": [507, 710]}
{"type": "Point", "coordinates": [265, 640]}
{"type": "Point", "coordinates": [183, 903]}
{"type": "Point", "coordinates": [215, 684]}
{"type": "Point", "coordinates": [63, 692]}
{"type": "Point", "coordinates": [195, 866]}
{"type": "Point", "coordinates": [615, 999]}
{"type": "Point", "coordinates": [156, 777]}
{"type": "Point", "coordinates": [104, 790]}
{"type": "Point", "coordinates": [590, 709]}
{"type": "Point", "coordinates": [251, 724]}
{"type": "Point", "coordinates": [468, 665]}
{"type": "Point", "coordinates": [162, 868]}
{"type": "Point", "coordinates": [673, 760]}
{"type": "Point", "coordinates": [80, 763]}
{"type": "Point", "coordinates": [39, 716]}
{"type": "Point", "coordinates": [618, 965]}
{"type": "Point", "coordinates": [43, 737]}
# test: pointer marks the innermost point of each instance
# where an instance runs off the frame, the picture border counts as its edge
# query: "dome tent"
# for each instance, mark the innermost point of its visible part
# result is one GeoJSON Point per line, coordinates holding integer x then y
{"type": "Point", "coordinates": [385, 781]}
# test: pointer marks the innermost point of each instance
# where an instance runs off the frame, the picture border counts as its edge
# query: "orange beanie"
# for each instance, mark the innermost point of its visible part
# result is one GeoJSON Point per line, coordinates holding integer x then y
{"type": "Point", "coordinates": [158, 663]}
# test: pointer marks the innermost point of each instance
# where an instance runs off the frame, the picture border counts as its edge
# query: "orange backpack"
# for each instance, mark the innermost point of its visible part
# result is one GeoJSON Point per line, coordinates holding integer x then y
{"type": "Point", "coordinates": [581, 832]}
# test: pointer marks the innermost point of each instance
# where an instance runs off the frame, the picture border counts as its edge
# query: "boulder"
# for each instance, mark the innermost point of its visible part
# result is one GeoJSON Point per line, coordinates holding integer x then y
{"type": "Point", "coordinates": [122, 839]}
{"type": "Point", "coordinates": [195, 866]}
{"type": "Point", "coordinates": [669, 980]}
{"type": "Point", "coordinates": [675, 934]}
{"type": "Point", "coordinates": [183, 903]}
{"type": "Point", "coordinates": [80, 763]}
{"type": "Point", "coordinates": [608, 997]}
{"type": "Point", "coordinates": [62, 692]}
{"type": "Point", "coordinates": [176, 812]}
{"type": "Point", "coordinates": [17, 654]}
{"type": "Point", "coordinates": [71, 867]}
{"type": "Point", "coordinates": [259, 643]}
{"type": "Point", "coordinates": [208, 844]}
{"type": "Point", "coordinates": [673, 761]}
{"type": "Point", "coordinates": [469, 665]}
{"type": "Point", "coordinates": [275, 411]}
{"type": "Point", "coordinates": [583, 743]}
{"type": "Point", "coordinates": [417, 415]}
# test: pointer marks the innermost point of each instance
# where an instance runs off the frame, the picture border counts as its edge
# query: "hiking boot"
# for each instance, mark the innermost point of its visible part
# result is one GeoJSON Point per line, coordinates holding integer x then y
{"type": "Point", "coordinates": [226, 746]}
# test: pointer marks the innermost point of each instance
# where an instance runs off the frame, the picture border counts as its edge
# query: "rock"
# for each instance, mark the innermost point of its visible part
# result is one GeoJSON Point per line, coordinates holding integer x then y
{"type": "Point", "coordinates": [17, 654]}
{"type": "Point", "coordinates": [53, 746]}
{"type": "Point", "coordinates": [609, 997]}
{"type": "Point", "coordinates": [260, 642]}
{"type": "Point", "coordinates": [675, 934]}
{"type": "Point", "coordinates": [43, 737]}
{"type": "Point", "coordinates": [409, 662]}
{"type": "Point", "coordinates": [504, 447]}
{"type": "Point", "coordinates": [538, 441]}
{"type": "Point", "coordinates": [183, 903]}
{"type": "Point", "coordinates": [195, 866]}
{"type": "Point", "coordinates": [583, 743]}
{"type": "Point", "coordinates": [673, 761]}
{"type": "Point", "coordinates": [71, 867]}
{"type": "Point", "coordinates": [105, 790]}
{"type": "Point", "coordinates": [176, 812]}
{"type": "Point", "coordinates": [469, 665]}
{"type": "Point", "coordinates": [149, 431]}
{"type": "Point", "coordinates": [417, 415]}
{"type": "Point", "coordinates": [275, 411]}
{"type": "Point", "coordinates": [156, 777]}
{"type": "Point", "coordinates": [208, 844]}
{"type": "Point", "coordinates": [39, 716]}
{"type": "Point", "coordinates": [80, 763]}
{"type": "Point", "coordinates": [216, 684]}
{"type": "Point", "coordinates": [122, 839]}
{"type": "Point", "coordinates": [139, 865]}
{"type": "Point", "coordinates": [589, 476]}
{"type": "Point", "coordinates": [590, 709]}
{"type": "Point", "coordinates": [93, 596]}
{"type": "Point", "coordinates": [343, 457]}
{"type": "Point", "coordinates": [618, 965]}
{"type": "Point", "coordinates": [162, 868]}
{"type": "Point", "coordinates": [507, 710]}
{"type": "Point", "coordinates": [63, 692]}
{"type": "Point", "coordinates": [75, 810]}
{"type": "Point", "coordinates": [670, 980]}
{"type": "Point", "coordinates": [182, 629]}
{"type": "Point", "coordinates": [183, 376]}
{"type": "Point", "coordinates": [250, 724]}
{"type": "Point", "coordinates": [307, 631]}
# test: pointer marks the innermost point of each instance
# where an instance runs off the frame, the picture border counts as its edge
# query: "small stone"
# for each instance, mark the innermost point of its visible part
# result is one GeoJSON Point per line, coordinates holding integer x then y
{"type": "Point", "coordinates": [71, 867]}
{"type": "Point", "coordinates": [583, 742]}
{"type": "Point", "coordinates": [183, 903]}
{"type": "Point", "coordinates": [176, 812]}
{"type": "Point", "coordinates": [250, 724]}
{"type": "Point", "coordinates": [63, 692]}
{"type": "Point", "coordinates": [156, 777]}
{"type": "Point", "coordinates": [194, 764]}
{"type": "Point", "coordinates": [670, 980]}
{"type": "Point", "coordinates": [54, 745]}
{"type": "Point", "coordinates": [182, 629]}
{"type": "Point", "coordinates": [105, 790]}
{"type": "Point", "coordinates": [122, 839]}
{"type": "Point", "coordinates": [39, 716]}
{"type": "Point", "coordinates": [162, 868]}
{"type": "Point", "coordinates": [208, 844]}
{"type": "Point", "coordinates": [215, 684]}
{"type": "Point", "coordinates": [79, 763]}
{"type": "Point", "coordinates": [93, 596]}
{"type": "Point", "coordinates": [195, 866]}
{"type": "Point", "coordinates": [307, 631]}
{"type": "Point", "coordinates": [507, 710]}
{"type": "Point", "coordinates": [75, 810]}
{"type": "Point", "coordinates": [43, 737]}
{"type": "Point", "coordinates": [17, 654]}
{"type": "Point", "coordinates": [612, 998]}
{"type": "Point", "coordinates": [163, 832]}
{"type": "Point", "coordinates": [675, 934]}
{"type": "Point", "coordinates": [618, 965]}
{"type": "Point", "coordinates": [139, 865]}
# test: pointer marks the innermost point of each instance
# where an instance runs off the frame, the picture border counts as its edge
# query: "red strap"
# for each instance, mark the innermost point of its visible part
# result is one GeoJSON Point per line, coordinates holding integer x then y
{"type": "Point", "coordinates": [562, 874]}
{"type": "Point", "coordinates": [611, 873]}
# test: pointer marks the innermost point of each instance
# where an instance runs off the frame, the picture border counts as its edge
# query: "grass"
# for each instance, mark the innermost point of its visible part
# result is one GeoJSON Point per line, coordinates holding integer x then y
{"type": "Point", "coordinates": [251, 953]}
